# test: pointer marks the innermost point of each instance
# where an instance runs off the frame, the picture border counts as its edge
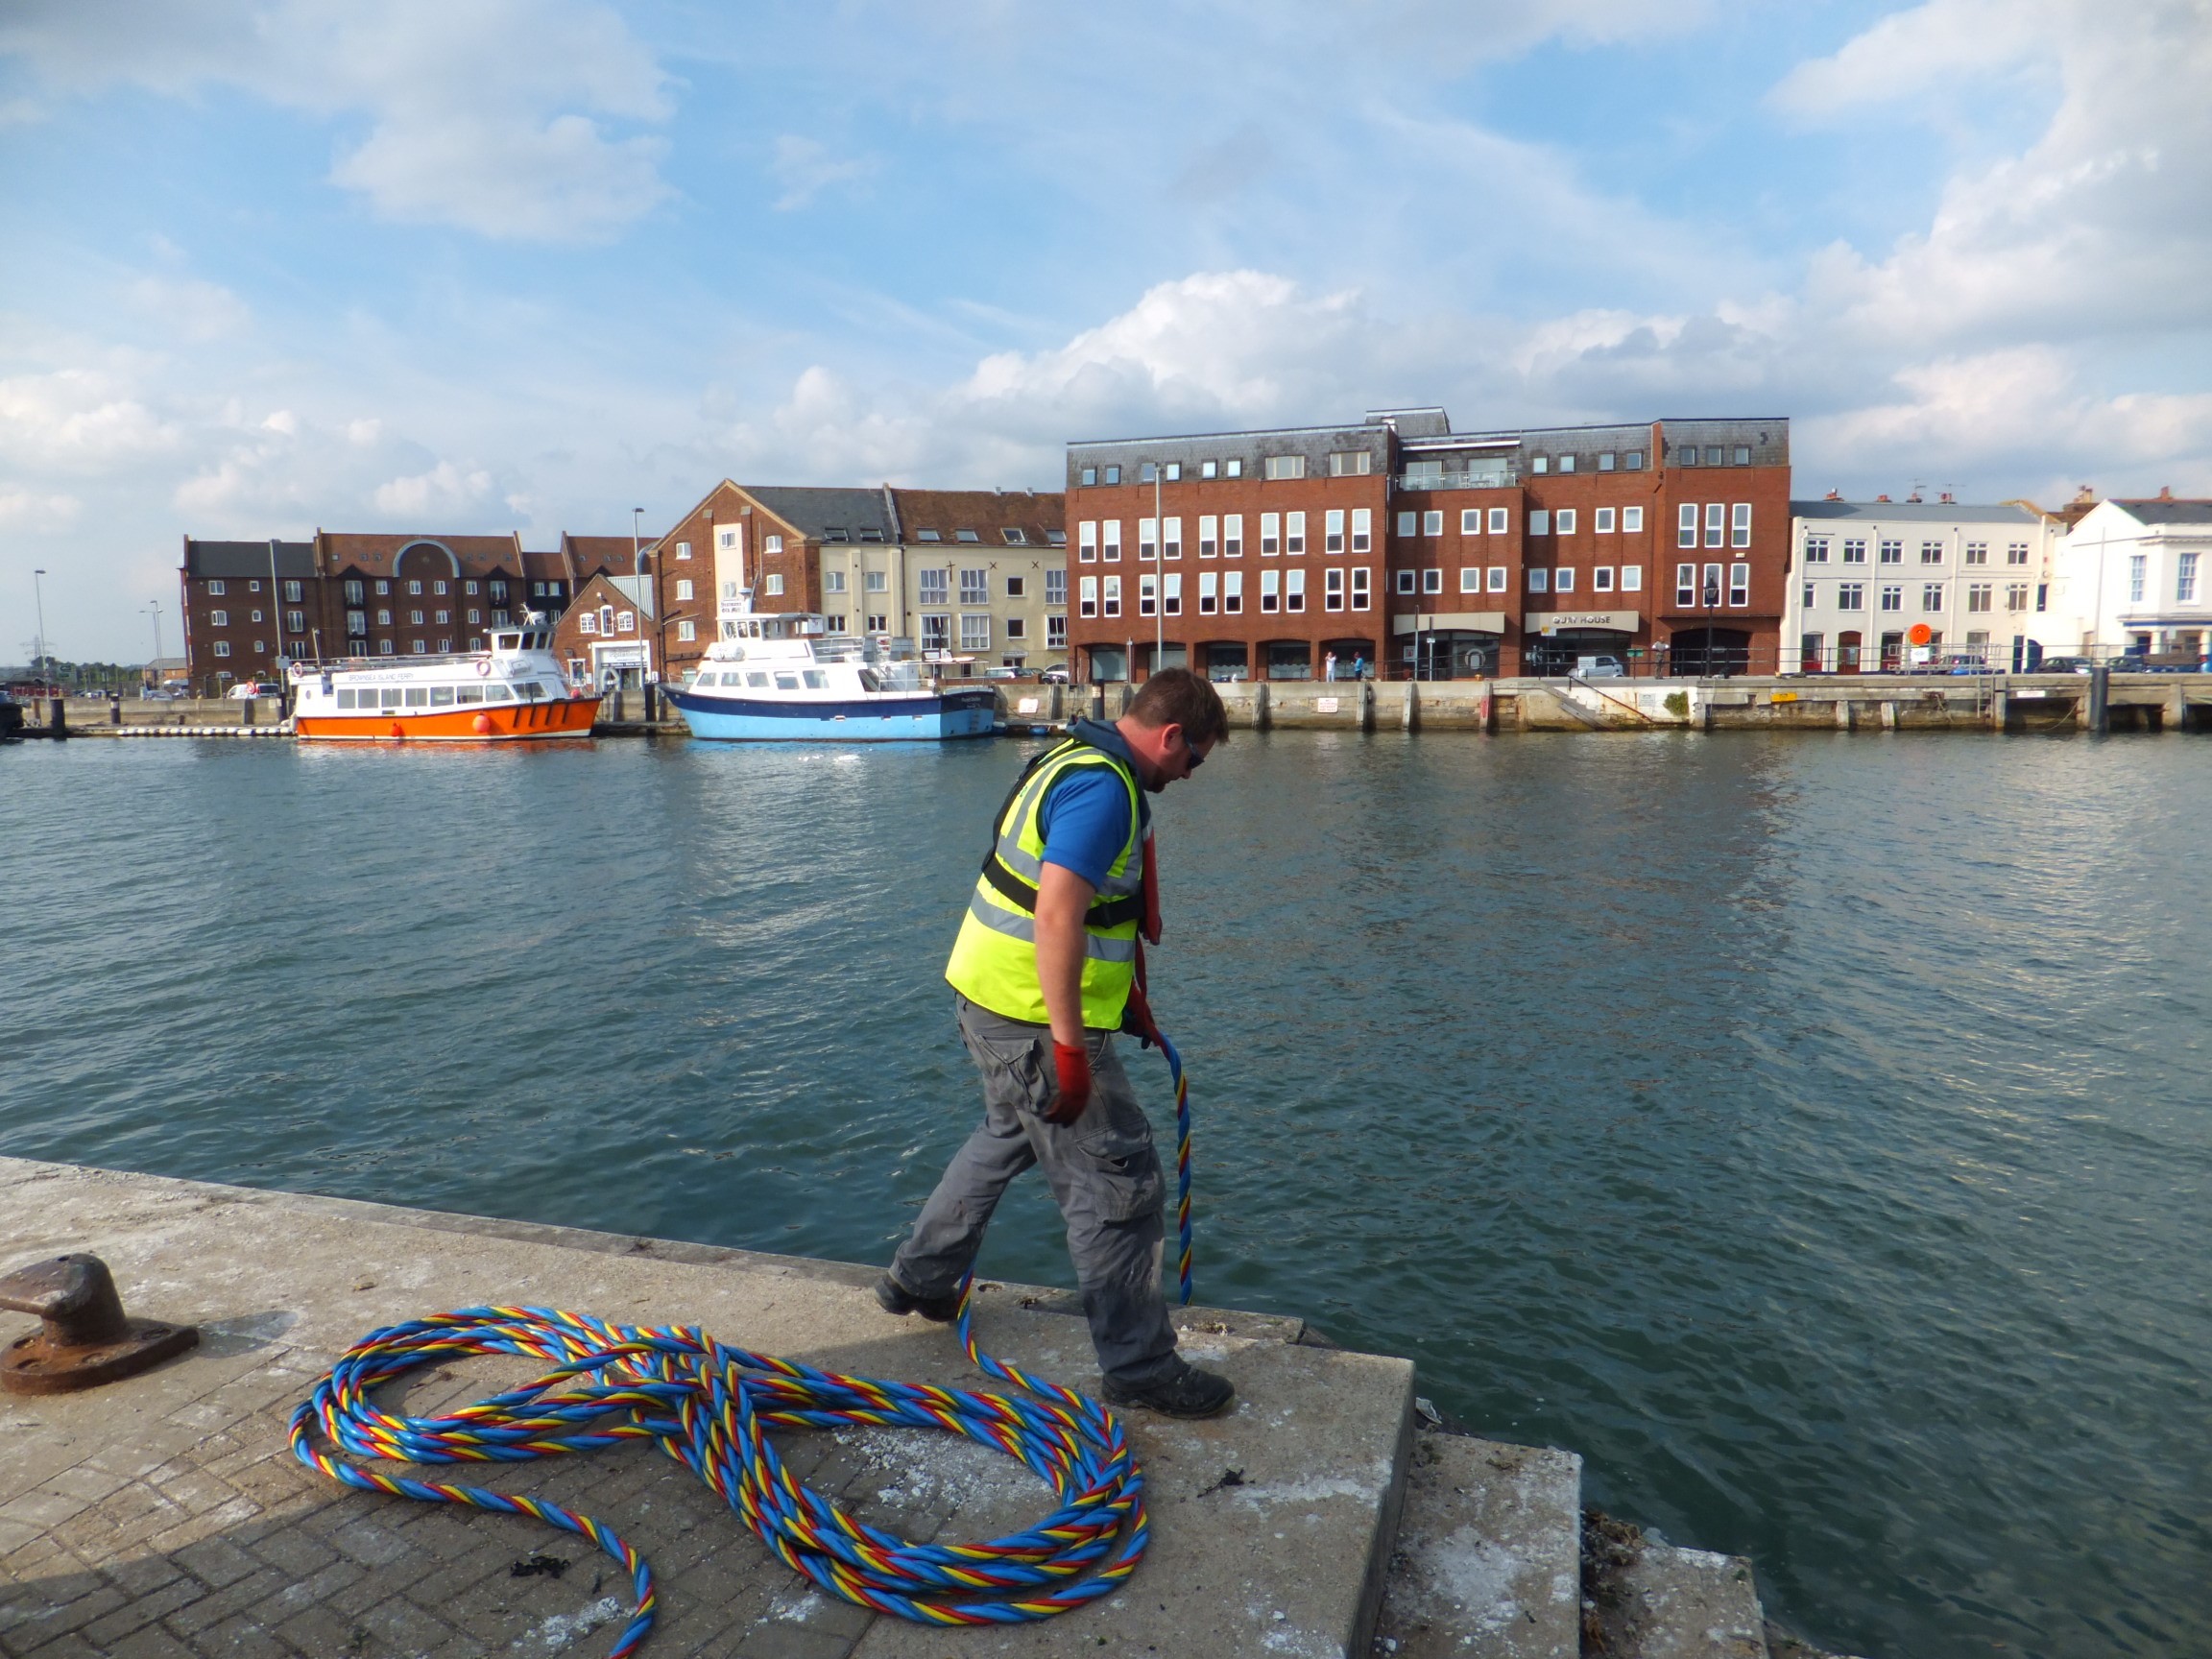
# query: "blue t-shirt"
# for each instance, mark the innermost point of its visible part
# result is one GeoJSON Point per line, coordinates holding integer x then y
{"type": "Point", "coordinates": [1085, 818]}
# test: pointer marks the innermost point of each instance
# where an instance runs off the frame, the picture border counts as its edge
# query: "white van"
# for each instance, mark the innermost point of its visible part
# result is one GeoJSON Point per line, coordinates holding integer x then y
{"type": "Point", "coordinates": [1601, 668]}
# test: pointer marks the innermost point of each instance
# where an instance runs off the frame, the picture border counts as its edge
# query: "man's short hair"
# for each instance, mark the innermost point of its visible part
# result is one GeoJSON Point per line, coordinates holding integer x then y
{"type": "Point", "coordinates": [1178, 697]}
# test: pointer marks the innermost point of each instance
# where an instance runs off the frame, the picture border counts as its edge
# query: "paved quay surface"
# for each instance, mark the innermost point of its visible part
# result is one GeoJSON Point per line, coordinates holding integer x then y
{"type": "Point", "coordinates": [165, 1517]}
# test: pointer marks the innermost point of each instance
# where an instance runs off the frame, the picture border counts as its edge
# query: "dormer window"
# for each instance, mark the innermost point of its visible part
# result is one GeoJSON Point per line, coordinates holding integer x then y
{"type": "Point", "coordinates": [967, 536]}
{"type": "Point", "coordinates": [1016, 539]}
{"type": "Point", "coordinates": [928, 536]}
{"type": "Point", "coordinates": [836, 533]}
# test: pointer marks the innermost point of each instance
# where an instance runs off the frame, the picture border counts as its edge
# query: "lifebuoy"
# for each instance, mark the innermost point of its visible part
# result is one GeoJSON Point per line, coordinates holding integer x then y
{"type": "Point", "coordinates": [483, 666]}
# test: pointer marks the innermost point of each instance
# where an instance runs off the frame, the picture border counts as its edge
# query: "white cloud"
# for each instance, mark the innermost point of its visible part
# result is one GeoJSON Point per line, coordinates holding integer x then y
{"type": "Point", "coordinates": [78, 420]}
{"type": "Point", "coordinates": [806, 168]}
{"type": "Point", "coordinates": [23, 510]}
{"type": "Point", "coordinates": [189, 309]}
{"type": "Point", "coordinates": [442, 492]}
{"type": "Point", "coordinates": [498, 116]}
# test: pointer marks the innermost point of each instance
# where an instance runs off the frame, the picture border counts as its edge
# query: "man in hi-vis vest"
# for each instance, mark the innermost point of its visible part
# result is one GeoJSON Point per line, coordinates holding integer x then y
{"type": "Point", "coordinates": [1047, 969]}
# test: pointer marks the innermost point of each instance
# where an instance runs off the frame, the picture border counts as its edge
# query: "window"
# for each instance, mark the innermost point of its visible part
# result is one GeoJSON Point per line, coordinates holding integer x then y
{"type": "Point", "coordinates": [420, 647]}
{"type": "Point", "coordinates": [1893, 596]}
{"type": "Point", "coordinates": [1566, 463]}
{"type": "Point", "coordinates": [255, 588]}
{"type": "Point", "coordinates": [1631, 578]}
{"type": "Point", "coordinates": [1362, 594]}
{"type": "Point", "coordinates": [772, 583]}
{"type": "Point", "coordinates": [2184, 579]}
{"type": "Point", "coordinates": [1685, 587]}
{"type": "Point", "coordinates": [1232, 592]}
{"type": "Point", "coordinates": [1715, 523]}
{"type": "Point", "coordinates": [1470, 520]}
{"type": "Point", "coordinates": [1286, 466]}
{"type": "Point", "coordinates": [1332, 587]}
{"type": "Point", "coordinates": [1739, 524]}
{"type": "Point", "coordinates": [1362, 529]}
{"type": "Point", "coordinates": [1207, 468]}
{"type": "Point", "coordinates": [216, 589]}
{"type": "Point", "coordinates": [1056, 633]}
{"type": "Point", "coordinates": [1685, 454]}
{"type": "Point", "coordinates": [1208, 535]}
{"type": "Point", "coordinates": [1497, 578]}
{"type": "Point", "coordinates": [1233, 535]}
{"type": "Point", "coordinates": [1350, 462]}
{"type": "Point", "coordinates": [412, 587]}
{"type": "Point", "coordinates": [1089, 476]}
{"type": "Point", "coordinates": [1686, 530]}
{"type": "Point", "coordinates": [435, 586]}
{"type": "Point", "coordinates": [2042, 595]}
{"type": "Point", "coordinates": [2138, 568]}
{"type": "Point", "coordinates": [1404, 581]}
{"type": "Point", "coordinates": [1892, 552]}
{"type": "Point", "coordinates": [1017, 586]}
{"type": "Point", "coordinates": [1147, 595]}
{"type": "Point", "coordinates": [1114, 474]}
{"type": "Point", "coordinates": [878, 624]}
{"type": "Point", "coordinates": [1931, 596]}
{"type": "Point", "coordinates": [217, 619]}
{"type": "Point", "coordinates": [976, 631]}
{"type": "Point", "coordinates": [1712, 454]}
{"type": "Point", "coordinates": [1431, 581]}
{"type": "Point", "coordinates": [1110, 540]}
{"type": "Point", "coordinates": [444, 617]}
{"type": "Point", "coordinates": [966, 535]}
{"type": "Point", "coordinates": [1742, 455]}
{"type": "Point", "coordinates": [1808, 596]}
{"type": "Point", "coordinates": [936, 631]}
{"type": "Point", "coordinates": [1055, 587]}
{"type": "Point", "coordinates": [1603, 522]}
{"type": "Point", "coordinates": [975, 587]}
{"type": "Point", "coordinates": [1540, 464]}
{"type": "Point", "coordinates": [1605, 462]}
{"type": "Point", "coordinates": [1147, 472]}
{"type": "Point", "coordinates": [1566, 521]}
{"type": "Point", "coordinates": [414, 618]}
{"type": "Point", "coordinates": [1294, 532]}
{"type": "Point", "coordinates": [356, 622]}
{"type": "Point", "coordinates": [1112, 599]}
{"type": "Point", "coordinates": [292, 593]}
{"type": "Point", "coordinates": [1931, 552]}
{"type": "Point", "coordinates": [686, 631]}
{"type": "Point", "coordinates": [1086, 541]}
{"type": "Point", "coordinates": [1271, 591]}
{"type": "Point", "coordinates": [1016, 538]}
{"type": "Point", "coordinates": [1633, 462]}
{"type": "Point", "coordinates": [1602, 578]}
{"type": "Point", "coordinates": [1631, 519]}
{"type": "Point", "coordinates": [1977, 552]}
{"type": "Point", "coordinates": [1333, 532]}
{"type": "Point", "coordinates": [1500, 520]}
{"type": "Point", "coordinates": [1172, 536]}
{"type": "Point", "coordinates": [935, 587]}
{"type": "Point", "coordinates": [1294, 590]}
{"type": "Point", "coordinates": [1407, 522]}
{"type": "Point", "coordinates": [353, 592]}
{"type": "Point", "coordinates": [384, 647]}
{"type": "Point", "coordinates": [498, 592]}
{"type": "Point", "coordinates": [1233, 468]}
{"type": "Point", "coordinates": [683, 551]}
{"type": "Point", "coordinates": [1854, 550]}
{"type": "Point", "coordinates": [1471, 579]}
{"type": "Point", "coordinates": [682, 591]}
{"type": "Point", "coordinates": [2016, 597]}
{"type": "Point", "coordinates": [1540, 522]}
{"type": "Point", "coordinates": [1057, 537]}
{"type": "Point", "coordinates": [1209, 593]}
{"type": "Point", "coordinates": [1711, 593]}
{"type": "Point", "coordinates": [928, 535]}
{"type": "Point", "coordinates": [1433, 523]}
{"type": "Point", "coordinates": [1539, 579]}
{"type": "Point", "coordinates": [1147, 539]}
{"type": "Point", "coordinates": [384, 617]}
{"type": "Point", "coordinates": [1977, 596]}
{"type": "Point", "coordinates": [1850, 595]}
{"type": "Point", "coordinates": [222, 647]}
{"type": "Point", "coordinates": [1815, 549]}
{"type": "Point", "coordinates": [1270, 535]}
{"type": "Point", "coordinates": [2016, 553]}
{"type": "Point", "coordinates": [1087, 596]}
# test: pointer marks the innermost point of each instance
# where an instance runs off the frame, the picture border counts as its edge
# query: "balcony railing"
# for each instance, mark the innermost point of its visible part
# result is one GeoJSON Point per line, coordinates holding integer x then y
{"type": "Point", "coordinates": [1471, 478]}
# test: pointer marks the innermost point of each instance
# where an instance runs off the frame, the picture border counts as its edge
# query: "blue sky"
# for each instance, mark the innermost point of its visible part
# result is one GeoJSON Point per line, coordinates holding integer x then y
{"type": "Point", "coordinates": [268, 265]}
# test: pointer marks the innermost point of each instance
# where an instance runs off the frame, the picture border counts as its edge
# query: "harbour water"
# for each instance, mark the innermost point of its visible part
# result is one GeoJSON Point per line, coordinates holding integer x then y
{"type": "Point", "coordinates": [1812, 1132]}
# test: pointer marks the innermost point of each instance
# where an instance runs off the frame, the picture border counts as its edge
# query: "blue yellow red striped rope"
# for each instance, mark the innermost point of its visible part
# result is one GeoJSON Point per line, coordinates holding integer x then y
{"type": "Point", "coordinates": [1182, 1160]}
{"type": "Point", "coordinates": [709, 1407]}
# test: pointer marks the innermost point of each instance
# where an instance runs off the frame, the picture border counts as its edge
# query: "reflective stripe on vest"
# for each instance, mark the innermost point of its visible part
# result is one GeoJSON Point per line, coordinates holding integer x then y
{"type": "Point", "coordinates": [994, 961]}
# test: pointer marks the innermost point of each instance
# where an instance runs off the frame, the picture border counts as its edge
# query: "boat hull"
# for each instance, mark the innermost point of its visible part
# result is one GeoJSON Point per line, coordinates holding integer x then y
{"type": "Point", "coordinates": [567, 717]}
{"type": "Point", "coordinates": [925, 717]}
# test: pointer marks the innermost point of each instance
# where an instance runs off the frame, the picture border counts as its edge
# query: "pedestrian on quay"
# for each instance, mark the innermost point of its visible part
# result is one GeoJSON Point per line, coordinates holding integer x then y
{"type": "Point", "coordinates": [1359, 665]}
{"type": "Point", "coordinates": [1048, 966]}
{"type": "Point", "coordinates": [1329, 666]}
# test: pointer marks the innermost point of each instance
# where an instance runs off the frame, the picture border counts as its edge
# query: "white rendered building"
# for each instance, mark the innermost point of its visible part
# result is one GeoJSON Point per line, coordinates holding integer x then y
{"type": "Point", "coordinates": [1866, 575]}
{"type": "Point", "coordinates": [2132, 576]}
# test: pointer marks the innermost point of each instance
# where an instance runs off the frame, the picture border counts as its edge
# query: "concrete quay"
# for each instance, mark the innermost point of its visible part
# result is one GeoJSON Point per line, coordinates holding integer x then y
{"type": "Point", "coordinates": [164, 1517]}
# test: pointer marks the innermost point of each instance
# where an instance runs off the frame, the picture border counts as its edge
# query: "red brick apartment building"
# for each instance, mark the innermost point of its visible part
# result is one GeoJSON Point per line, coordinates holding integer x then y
{"type": "Point", "coordinates": [247, 604]}
{"type": "Point", "coordinates": [1426, 551]}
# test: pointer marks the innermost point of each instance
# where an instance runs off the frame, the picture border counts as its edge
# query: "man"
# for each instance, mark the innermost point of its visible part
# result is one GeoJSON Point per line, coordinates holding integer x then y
{"type": "Point", "coordinates": [1046, 968]}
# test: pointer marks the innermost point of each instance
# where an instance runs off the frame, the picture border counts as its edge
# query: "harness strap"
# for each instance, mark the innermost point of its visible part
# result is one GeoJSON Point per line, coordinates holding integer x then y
{"type": "Point", "coordinates": [1102, 913]}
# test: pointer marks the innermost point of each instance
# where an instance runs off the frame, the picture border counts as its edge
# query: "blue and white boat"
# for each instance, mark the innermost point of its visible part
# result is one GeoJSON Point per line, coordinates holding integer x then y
{"type": "Point", "coordinates": [781, 678]}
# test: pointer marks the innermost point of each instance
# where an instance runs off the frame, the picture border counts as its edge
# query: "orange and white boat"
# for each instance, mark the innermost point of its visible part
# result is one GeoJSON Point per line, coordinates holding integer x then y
{"type": "Point", "coordinates": [513, 693]}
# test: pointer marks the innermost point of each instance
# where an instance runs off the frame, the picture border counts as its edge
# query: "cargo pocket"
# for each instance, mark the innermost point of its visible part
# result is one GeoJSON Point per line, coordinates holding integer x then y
{"type": "Point", "coordinates": [1013, 1072]}
{"type": "Point", "coordinates": [1119, 1162]}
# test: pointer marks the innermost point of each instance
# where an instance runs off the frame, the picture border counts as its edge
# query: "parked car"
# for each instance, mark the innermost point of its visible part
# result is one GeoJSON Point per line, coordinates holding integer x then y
{"type": "Point", "coordinates": [1601, 668]}
{"type": "Point", "coordinates": [1054, 677]}
{"type": "Point", "coordinates": [2063, 665]}
{"type": "Point", "coordinates": [246, 691]}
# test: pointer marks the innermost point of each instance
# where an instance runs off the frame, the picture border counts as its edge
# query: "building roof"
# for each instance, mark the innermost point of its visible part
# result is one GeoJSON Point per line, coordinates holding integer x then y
{"type": "Point", "coordinates": [608, 553]}
{"type": "Point", "coordinates": [827, 514]}
{"type": "Point", "coordinates": [1035, 516]}
{"type": "Point", "coordinates": [374, 552]}
{"type": "Point", "coordinates": [239, 560]}
{"type": "Point", "coordinates": [637, 590]}
{"type": "Point", "coordinates": [2165, 510]}
{"type": "Point", "coordinates": [1916, 512]}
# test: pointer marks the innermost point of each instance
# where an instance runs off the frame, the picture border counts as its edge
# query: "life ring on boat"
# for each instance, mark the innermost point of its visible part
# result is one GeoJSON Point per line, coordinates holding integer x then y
{"type": "Point", "coordinates": [483, 666]}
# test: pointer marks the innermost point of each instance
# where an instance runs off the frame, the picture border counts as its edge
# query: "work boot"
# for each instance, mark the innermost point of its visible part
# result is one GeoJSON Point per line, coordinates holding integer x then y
{"type": "Point", "coordinates": [896, 1298]}
{"type": "Point", "coordinates": [1178, 1390]}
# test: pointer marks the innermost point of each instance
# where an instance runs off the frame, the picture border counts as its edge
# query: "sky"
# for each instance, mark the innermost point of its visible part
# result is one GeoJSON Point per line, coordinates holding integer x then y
{"type": "Point", "coordinates": [268, 266]}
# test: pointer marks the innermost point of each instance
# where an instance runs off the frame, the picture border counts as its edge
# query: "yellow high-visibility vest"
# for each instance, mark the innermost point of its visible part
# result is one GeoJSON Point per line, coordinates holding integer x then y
{"type": "Point", "coordinates": [994, 962]}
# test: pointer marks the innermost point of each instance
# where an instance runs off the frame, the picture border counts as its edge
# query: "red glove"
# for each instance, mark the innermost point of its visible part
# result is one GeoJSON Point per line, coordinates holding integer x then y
{"type": "Point", "coordinates": [1072, 1062]}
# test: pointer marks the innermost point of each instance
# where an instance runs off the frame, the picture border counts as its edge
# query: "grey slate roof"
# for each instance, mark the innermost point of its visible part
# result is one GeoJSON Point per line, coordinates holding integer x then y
{"type": "Point", "coordinates": [1914, 512]}
{"type": "Point", "coordinates": [235, 560]}
{"type": "Point", "coordinates": [828, 515]}
{"type": "Point", "coordinates": [2164, 510]}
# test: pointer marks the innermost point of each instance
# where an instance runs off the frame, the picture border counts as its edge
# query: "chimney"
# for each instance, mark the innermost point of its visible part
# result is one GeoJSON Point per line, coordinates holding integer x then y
{"type": "Point", "coordinates": [2165, 491]}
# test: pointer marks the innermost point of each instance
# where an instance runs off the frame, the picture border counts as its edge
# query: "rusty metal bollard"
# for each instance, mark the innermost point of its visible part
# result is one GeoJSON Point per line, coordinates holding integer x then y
{"type": "Point", "coordinates": [84, 1339]}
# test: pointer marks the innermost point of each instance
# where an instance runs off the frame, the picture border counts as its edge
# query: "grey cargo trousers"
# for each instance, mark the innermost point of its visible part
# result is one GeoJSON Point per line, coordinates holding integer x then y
{"type": "Point", "coordinates": [1104, 1173]}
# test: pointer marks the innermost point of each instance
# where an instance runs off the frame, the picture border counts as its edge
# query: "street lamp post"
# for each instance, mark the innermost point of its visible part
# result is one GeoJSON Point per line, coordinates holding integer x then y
{"type": "Point", "coordinates": [637, 567]}
{"type": "Point", "coordinates": [156, 666]}
{"type": "Point", "coordinates": [1160, 569]}
{"type": "Point", "coordinates": [38, 592]}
